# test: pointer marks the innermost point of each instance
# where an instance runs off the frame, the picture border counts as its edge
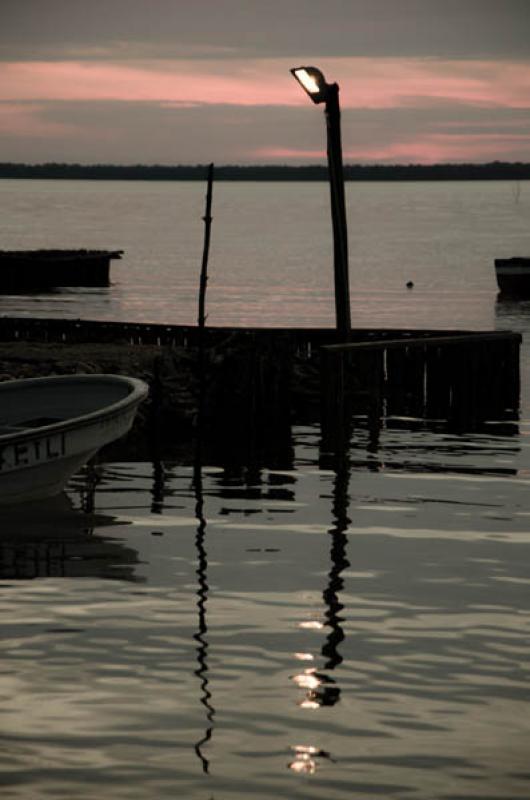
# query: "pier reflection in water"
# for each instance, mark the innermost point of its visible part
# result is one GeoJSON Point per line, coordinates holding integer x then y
{"type": "Point", "coordinates": [202, 599]}
{"type": "Point", "coordinates": [336, 626]}
{"type": "Point", "coordinates": [53, 539]}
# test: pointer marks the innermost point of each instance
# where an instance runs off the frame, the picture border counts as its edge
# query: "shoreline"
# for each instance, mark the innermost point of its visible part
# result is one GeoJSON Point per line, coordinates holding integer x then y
{"type": "Point", "coordinates": [461, 171]}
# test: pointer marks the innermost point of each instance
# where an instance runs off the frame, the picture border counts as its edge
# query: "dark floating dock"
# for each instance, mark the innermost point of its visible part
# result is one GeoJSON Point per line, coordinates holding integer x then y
{"type": "Point", "coordinates": [513, 277]}
{"type": "Point", "coordinates": [37, 270]}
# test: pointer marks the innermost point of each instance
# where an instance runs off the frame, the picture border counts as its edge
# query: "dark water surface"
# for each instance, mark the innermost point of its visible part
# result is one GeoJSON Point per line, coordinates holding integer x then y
{"type": "Point", "coordinates": [307, 632]}
{"type": "Point", "coordinates": [328, 630]}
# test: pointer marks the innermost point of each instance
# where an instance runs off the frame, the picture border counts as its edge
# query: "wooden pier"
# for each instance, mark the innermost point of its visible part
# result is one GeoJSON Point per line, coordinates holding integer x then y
{"type": "Point", "coordinates": [260, 381]}
{"type": "Point", "coordinates": [464, 379]}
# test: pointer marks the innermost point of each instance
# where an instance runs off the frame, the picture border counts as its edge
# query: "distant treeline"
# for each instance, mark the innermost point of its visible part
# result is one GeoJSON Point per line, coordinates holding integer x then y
{"type": "Point", "coordinates": [496, 170]}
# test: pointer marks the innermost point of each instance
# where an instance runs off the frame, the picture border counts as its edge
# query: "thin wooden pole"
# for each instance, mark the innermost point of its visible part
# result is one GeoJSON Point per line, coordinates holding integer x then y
{"type": "Point", "coordinates": [206, 249]}
{"type": "Point", "coordinates": [202, 312]}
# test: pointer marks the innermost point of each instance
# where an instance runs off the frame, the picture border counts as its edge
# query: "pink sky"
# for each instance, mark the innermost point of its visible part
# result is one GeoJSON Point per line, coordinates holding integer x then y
{"type": "Point", "coordinates": [167, 81]}
{"type": "Point", "coordinates": [428, 149]}
{"type": "Point", "coordinates": [364, 82]}
{"type": "Point", "coordinates": [28, 88]}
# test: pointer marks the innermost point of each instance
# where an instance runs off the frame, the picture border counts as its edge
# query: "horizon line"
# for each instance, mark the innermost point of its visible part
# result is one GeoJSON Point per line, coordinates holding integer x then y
{"type": "Point", "coordinates": [323, 165]}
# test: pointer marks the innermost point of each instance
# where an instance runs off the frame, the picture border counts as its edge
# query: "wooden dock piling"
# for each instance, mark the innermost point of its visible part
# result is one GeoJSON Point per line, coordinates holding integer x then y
{"type": "Point", "coordinates": [464, 379]}
{"type": "Point", "coordinates": [260, 381]}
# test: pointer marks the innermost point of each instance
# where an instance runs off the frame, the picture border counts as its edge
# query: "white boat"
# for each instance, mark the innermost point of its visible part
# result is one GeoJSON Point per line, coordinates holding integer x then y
{"type": "Point", "coordinates": [50, 427]}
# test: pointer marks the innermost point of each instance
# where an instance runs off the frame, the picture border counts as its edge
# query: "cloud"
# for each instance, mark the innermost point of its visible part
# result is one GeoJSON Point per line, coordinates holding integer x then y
{"type": "Point", "coordinates": [129, 29]}
{"type": "Point", "coordinates": [150, 132]}
{"type": "Point", "coordinates": [424, 149]}
{"type": "Point", "coordinates": [365, 82]}
{"type": "Point", "coordinates": [29, 121]}
{"type": "Point", "coordinates": [286, 154]}
{"type": "Point", "coordinates": [439, 148]}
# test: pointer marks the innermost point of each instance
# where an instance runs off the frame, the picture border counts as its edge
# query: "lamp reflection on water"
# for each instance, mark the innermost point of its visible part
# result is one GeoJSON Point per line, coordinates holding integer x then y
{"type": "Point", "coordinates": [311, 624]}
{"type": "Point", "coordinates": [304, 656]}
{"type": "Point", "coordinates": [308, 679]}
{"type": "Point", "coordinates": [303, 763]}
{"type": "Point", "coordinates": [305, 756]}
{"type": "Point", "coordinates": [320, 688]}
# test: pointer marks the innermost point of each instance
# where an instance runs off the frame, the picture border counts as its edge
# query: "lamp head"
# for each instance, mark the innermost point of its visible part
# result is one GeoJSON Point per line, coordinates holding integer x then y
{"type": "Point", "coordinates": [313, 82]}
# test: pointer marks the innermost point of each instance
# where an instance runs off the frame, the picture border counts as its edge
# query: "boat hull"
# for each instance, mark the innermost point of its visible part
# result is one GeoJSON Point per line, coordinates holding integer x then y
{"type": "Point", "coordinates": [37, 462]}
{"type": "Point", "coordinates": [39, 482]}
{"type": "Point", "coordinates": [513, 276]}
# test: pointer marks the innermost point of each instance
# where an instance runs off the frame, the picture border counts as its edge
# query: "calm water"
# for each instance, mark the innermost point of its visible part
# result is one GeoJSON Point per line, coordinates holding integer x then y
{"type": "Point", "coordinates": [271, 251]}
{"type": "Point", "coordinates": [315, 631]}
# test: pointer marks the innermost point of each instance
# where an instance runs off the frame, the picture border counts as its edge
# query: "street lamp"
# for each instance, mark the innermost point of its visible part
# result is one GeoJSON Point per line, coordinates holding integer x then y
{"type": "Point", "coordinates": [314, 84]}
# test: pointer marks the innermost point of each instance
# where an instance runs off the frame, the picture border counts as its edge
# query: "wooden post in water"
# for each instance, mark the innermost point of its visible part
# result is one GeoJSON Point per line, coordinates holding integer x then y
{"type": "Point", "coordinates": [202, 312]}
{"type": "Point", "coordinates": [338, 214]}
{"type": "Point", "coordinates": [332, 400]}
{"type": "Point", "coordinates": [207, 219]}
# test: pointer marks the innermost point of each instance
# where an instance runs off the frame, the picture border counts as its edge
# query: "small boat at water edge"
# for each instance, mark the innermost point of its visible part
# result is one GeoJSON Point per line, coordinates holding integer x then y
{"type": "Point", "coordinates": [50, 427]}
{"type": "Point", "coordinates": [35, 270]}
{"type": "Point", "coordinates": [513, 276]}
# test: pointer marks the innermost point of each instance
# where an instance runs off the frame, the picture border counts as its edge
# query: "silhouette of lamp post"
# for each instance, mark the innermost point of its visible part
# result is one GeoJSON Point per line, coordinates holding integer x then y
{"type": "Point", "coordinates": [313, 82]}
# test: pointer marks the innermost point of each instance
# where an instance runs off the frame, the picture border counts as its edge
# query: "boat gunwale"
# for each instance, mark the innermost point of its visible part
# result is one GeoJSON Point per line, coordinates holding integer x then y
{"type": "Point", "coordinates": [138, 393]}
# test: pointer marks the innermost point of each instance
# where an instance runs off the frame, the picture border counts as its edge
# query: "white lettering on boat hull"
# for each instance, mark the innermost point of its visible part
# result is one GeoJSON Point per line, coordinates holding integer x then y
{"type": "Point", "coordinates": [31, 452]}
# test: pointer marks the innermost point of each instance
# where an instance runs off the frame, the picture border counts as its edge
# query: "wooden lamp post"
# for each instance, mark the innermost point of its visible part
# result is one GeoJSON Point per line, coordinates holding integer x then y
{"type": "Point", "coordinates": [314, 84]}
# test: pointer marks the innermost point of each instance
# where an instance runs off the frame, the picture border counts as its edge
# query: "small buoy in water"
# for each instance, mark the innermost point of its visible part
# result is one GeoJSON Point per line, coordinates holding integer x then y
{"type": "Point", "coordinates": [410, 284]}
